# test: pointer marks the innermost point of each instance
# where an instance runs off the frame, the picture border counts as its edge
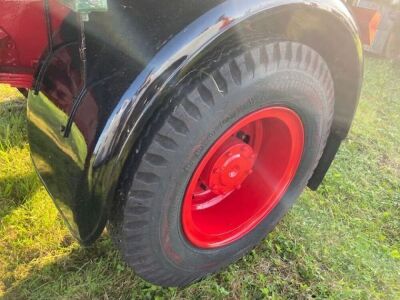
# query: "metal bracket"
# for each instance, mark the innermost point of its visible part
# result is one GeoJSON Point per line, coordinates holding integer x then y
{"type": "Point", "coordinates": [86, 6]}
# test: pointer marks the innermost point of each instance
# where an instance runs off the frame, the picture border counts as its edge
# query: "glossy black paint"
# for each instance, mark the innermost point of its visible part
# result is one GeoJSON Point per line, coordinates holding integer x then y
{"type": "Point", "coordinates": [149, 46]}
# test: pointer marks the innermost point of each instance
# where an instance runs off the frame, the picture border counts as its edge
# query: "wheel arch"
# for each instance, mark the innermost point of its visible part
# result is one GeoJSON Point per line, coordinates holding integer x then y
{"type": "Point", "coordinates": [328, 28]}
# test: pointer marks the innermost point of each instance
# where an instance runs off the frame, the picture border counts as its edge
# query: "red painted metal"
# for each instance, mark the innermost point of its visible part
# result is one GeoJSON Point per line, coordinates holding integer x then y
{"type": "Point", "coordinates": [18, 80]}
{"type": "Point", "coordinates": [242, 177]}
{"type": "Point", "coordinates": [368, 20]}
{"type": "Point", "coordinates": [23, 38]}
{"type": "Point", "coordinates": [231, 165]}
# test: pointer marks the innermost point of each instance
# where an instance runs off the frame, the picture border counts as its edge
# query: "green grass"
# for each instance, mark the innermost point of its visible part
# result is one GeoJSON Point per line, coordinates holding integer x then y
{"type": "Point", "coordinates": [341, 242]}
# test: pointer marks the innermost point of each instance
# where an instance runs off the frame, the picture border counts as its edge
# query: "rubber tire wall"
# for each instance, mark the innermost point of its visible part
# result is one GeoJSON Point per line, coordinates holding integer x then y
{"type": "Point", "coordinates": [146, 223]}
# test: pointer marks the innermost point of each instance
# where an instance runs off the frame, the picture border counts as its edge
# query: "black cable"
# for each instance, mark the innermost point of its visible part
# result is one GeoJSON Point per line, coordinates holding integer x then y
{"type": "Point", "coordinates": [83, 92]}
{"type": "Point", "coordinates": [82, 52]}
{"type": "Point", "coordinates": [85, 87]}
{"type": "Point", "coordinates": [49, 25]}
{"type": "Point", "coordinates": [50, 47]}
{"type": "Point", "coordinates": [67, 128]}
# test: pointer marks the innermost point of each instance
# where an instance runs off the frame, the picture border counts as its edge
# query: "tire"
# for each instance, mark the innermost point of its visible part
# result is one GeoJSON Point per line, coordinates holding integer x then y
{"type": "Point", "coordinates": [148, 223]}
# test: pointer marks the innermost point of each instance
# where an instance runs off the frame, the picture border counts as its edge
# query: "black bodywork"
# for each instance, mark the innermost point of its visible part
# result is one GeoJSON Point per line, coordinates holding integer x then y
{"type": "Point", "coordinates": [137, 53]}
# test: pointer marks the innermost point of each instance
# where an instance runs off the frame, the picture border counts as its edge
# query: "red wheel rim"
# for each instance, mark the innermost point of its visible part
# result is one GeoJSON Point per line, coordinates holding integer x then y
{"type": "Point", "coordinates": [242, 177]}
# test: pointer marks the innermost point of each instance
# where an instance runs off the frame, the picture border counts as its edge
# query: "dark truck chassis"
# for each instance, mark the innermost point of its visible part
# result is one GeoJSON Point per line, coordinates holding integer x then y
{"type": "Point", "coordinates": [110, 81]}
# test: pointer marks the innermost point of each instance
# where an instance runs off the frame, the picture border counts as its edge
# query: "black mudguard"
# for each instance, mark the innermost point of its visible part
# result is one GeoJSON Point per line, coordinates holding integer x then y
{"type": "Point", "coordinates": [137, 53]}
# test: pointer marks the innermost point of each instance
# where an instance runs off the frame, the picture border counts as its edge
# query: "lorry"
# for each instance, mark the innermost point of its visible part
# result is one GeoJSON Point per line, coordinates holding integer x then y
{"type": "Point", "coordinates": [188, 128]}
{"type": "Point", "coordinates": [379, 23]}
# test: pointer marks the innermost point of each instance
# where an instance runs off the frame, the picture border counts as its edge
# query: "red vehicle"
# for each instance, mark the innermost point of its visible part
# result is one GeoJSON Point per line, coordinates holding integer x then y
{"type": "Point", "coordinates": [379, 23]}
{"type": "Point", "coordinates": [189, 127]}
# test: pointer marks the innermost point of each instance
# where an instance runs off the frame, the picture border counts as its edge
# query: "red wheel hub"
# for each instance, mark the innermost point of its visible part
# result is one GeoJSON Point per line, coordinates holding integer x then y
{"type": "Point", "coordinates": [242, 177]}
{"type": "Point", "coordinates": [231, 167]}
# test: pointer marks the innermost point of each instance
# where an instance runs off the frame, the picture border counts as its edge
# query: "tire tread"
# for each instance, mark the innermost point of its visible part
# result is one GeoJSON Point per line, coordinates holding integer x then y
{"type": "Point", "coordinates": [258, 58]}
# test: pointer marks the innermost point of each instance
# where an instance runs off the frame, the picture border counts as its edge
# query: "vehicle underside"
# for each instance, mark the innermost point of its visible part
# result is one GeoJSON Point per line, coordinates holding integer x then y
{"type": "Point", "coordinates": [190, 127]}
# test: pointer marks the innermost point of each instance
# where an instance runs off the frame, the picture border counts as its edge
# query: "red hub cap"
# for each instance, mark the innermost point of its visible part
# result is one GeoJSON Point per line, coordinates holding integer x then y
{"type": "Point", "coordinates": [242, 177]}
{"type": "Point", "coordinates": [231, 167]}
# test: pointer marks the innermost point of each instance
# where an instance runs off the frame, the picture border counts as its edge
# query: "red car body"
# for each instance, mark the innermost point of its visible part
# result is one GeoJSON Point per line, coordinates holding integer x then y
{"type": "Point", "coordinates": [23, 38]}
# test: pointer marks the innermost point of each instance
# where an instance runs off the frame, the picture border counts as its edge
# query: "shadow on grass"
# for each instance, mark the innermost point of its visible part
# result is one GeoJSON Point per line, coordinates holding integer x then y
{"type": "Point", "coordinates": [15, 190]}
{"type": "Point", "coordinates": [83, 273]}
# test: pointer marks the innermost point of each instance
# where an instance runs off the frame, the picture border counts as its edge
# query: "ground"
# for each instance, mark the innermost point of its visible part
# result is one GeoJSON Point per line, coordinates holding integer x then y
{"type": "Point", "coordinates": [340, 242]}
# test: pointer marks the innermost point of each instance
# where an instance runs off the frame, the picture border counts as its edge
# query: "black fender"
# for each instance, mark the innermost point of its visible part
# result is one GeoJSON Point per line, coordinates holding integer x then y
{"type": "Point", "coordinates": [137, 54]}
